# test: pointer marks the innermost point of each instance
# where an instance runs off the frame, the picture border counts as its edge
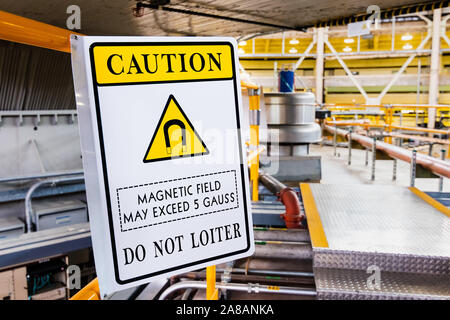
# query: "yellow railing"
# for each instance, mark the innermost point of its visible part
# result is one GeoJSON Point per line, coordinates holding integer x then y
{"type": "Point", "coordinates": [27, 31]}
{"type": "Point", "coordinates": [89, 292]}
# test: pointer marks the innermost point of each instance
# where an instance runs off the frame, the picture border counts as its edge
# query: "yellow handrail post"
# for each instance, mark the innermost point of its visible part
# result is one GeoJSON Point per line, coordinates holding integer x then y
{"type": "Point", "coordinates": [448, 150]}
{"type": "Point", "coordinates": [389, 114]}
{"type": "Point", "coordinates": [211, 291]}
{"type": "Point", "coordinates": [254, 101]}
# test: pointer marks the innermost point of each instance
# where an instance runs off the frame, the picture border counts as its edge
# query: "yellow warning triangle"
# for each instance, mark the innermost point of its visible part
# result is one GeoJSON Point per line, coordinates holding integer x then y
{"type": "Point", "coordinates": [174, 136]}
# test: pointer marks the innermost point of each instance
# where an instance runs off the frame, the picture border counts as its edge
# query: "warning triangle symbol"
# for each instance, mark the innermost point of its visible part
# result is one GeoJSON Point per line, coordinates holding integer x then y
{"type": "Point", "coordinates": [174, 137]}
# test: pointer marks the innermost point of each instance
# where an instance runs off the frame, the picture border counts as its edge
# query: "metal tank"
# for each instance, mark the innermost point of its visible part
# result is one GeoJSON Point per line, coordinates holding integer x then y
{"type": "Point", "coordinates": [291, 118]}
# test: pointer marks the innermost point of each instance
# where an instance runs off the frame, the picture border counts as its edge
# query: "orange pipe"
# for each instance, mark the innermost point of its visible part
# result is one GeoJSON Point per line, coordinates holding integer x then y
{"type": "Point", "coordinates": [27, 31]}
{"type": "Point", "coordinates": [292, 217]}
{"type": "Point", "coordinates": [371, 125]}
{"type": "Point", "coordinates": [437, 166]}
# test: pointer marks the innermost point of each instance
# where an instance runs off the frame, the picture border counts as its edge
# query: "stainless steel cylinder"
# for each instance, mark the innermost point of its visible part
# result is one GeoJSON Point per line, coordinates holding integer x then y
{"type": "Point", "coordinates": [291, 117]}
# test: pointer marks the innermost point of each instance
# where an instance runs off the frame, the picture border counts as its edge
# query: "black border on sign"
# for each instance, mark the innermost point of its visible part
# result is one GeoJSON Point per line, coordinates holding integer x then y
{"type": "Point", "coordinates": [103, 158]}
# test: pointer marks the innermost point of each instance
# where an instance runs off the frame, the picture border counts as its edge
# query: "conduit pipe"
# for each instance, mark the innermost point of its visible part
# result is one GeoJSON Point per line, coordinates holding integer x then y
{"type": "Point", "coordinates": [296, 251]}
{"type": "Point", "coordinates": [242, 287]}
{"type": "Point", "coordinates": [42, 175]}
{"type": "Point", "coordinates": [437, 166]}
{"type": "Point", "coordinates": [267, 272]}
{"type": "Point", "coordinates": [293, 215]}
{"type": "Point", "coordinates": [300, 235]}
{"type": "Point", "coordinates": [33, 188]}
{"type": "Point", "coordinates": [245, 278]}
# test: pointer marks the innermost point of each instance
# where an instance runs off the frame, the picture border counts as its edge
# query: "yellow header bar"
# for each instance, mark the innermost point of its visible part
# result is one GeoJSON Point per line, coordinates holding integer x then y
{"type": "Point", "coordinates": [154, 63]}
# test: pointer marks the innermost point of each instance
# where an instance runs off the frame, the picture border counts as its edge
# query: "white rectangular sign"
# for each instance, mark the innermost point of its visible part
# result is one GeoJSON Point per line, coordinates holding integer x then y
{"type": "Point", "coordinates": [164, 161]}
{"type": "Point", "coordinates": [359, 28]}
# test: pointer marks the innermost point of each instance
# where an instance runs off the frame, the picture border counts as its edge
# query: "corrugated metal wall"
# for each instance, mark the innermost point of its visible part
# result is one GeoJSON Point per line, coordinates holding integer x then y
{"type": "Point", "coordinates": [33, 78]}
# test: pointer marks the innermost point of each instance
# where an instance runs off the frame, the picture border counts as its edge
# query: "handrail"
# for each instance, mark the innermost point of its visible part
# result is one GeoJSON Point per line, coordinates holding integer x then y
{"type": "Point", "coordinates": [31, 32]}
{"type": "Point", "coordinates": [374, 125]}
{"type": "Point", "coordinates": [248, 85]}
{"type": "Point", "coordinates": [399, 106]}
{"type": "Point", "coordinates": [90, 292]}
{"type": "Point", "coordinates": [437, 166]}
{"type": "Point", "coordinates": [41, 175]}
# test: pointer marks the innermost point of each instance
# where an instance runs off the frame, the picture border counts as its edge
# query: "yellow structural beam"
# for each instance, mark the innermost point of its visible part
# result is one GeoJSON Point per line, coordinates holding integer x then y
{"type": "Point", "coordinates": [27, 31]}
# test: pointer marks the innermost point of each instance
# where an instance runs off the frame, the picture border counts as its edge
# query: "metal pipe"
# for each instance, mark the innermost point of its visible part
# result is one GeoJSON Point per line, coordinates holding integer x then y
{"type": "Point", "coordinates": [413, 168]}
{"type": "Point", "coordinates": [293, 215]}
{"type": "Point", "coordinates": [441, 179]}
{"type": "Point", "coordinates": [242, 287]}
{"type": "Point", "coordinates": [40, 176]}
{"type": "Point", "coordinates": [186, 294]}
{"type": "Point", "coordinates": [335, 141]}
{"type": "Point", "coordinates": [366, 162]}
{"type": "Point", "coordinates": [284, 251]}
{"type": "Point", "coordinates": [437, 166]}
{"type": "Point", "coordinates": [270, 272]}
{"type": "Point", "coordinates": [245, 278]}
{"type": "Point", "coordinates": [350, 147]}
{"type": "Point", "coordinates": [33, 188]}
{"type": "Point", "coordinates": [297, 235]}
{"type": "Point", "coordinates": [271, 183]}
{"type": "Point", "coordinates": [394, 169]}
{"type": "Point", "coordinates": [374, 158]}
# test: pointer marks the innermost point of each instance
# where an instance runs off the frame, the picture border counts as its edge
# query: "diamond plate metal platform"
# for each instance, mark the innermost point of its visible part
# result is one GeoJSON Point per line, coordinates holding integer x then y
{"type": "Point", "coordinates": [390, 227]}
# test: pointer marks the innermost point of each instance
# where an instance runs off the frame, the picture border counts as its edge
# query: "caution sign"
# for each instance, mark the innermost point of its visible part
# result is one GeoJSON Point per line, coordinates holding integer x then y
{"type": "Point", "coordinates": [174, 136]}
{"type": "Point", "coordinates": [165, 169]}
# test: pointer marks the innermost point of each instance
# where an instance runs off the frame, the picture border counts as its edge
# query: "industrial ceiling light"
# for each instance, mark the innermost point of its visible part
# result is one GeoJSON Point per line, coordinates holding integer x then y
{"type": "Point", "coordinates": [349, 40]}
{"type": "Point", "coordinates": [407, 46]}
{"type": "Point", "coordinates": [242, 43]}
{"type": "Point", "coordinates": [347, 49]}
{"type": "Point", "coordinates": [293, 41]}
{"type": "Point", "coordinates": [407, 37]}
{"type": "Point", "coordinates": [293, 50]}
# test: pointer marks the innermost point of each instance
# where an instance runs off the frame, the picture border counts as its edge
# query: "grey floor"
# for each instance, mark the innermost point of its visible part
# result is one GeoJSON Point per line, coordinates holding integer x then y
{"type": "Point", "coordinates": [335, 170]}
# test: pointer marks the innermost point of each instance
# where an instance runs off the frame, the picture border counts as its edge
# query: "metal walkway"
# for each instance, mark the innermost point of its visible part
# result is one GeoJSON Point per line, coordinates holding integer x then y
{"type": "Point", "coordinates": [402, 232]}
